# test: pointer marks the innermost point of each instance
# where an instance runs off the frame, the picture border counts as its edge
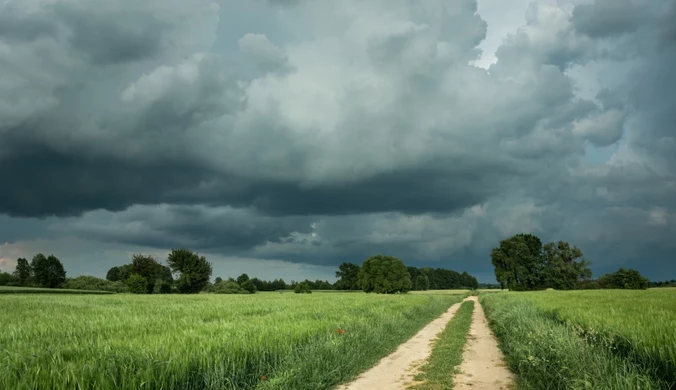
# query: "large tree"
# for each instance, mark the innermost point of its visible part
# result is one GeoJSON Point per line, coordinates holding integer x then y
{"type": "Point", "coordinates": [422, 283]}
{"type": "Point", "coordinates": [24, 272]}
{"type": "Point", "coordinates": [113, 274]}
{"type": "Point", "coordinates": [48, 271]}
{"type": "Point", "coordinates": [348, 274]}
{"type": "Point", "coordinates": [624, 279]}
{"type": "Point", "coordinates": [519, 262]}
{"type": "Point", "coordinates": [193, 270]}
{"type": "Point", "coordinates": [565, 268]}
{"type": "Point", "coordinates": [385, 275]}
{"type": "Point", "coordinates": [147, 267]}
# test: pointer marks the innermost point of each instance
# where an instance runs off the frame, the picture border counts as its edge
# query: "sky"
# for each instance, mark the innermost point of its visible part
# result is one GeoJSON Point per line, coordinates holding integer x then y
{"type": "Point", "coordinates": [283, 137]}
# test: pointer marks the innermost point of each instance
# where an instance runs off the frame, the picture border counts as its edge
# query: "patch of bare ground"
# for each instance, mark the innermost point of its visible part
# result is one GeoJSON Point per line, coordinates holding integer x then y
{"type": "Point", "coordinates": [396, 371]}
{"type": "Point", "coordinates": [483, 366]}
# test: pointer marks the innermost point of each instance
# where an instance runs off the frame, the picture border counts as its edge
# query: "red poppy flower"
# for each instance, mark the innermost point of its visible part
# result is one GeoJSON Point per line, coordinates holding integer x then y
{"type": "Point", "coordinates": [264, 377]}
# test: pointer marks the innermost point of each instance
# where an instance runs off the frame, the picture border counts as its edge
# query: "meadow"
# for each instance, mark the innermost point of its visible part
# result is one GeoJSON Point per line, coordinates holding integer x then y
{"type": "Point", "coordinates": [39, 290]}
{"type": "Point", "coordinates": [601, 339]}
{"type": "Point", "coordinates": [205, 341]}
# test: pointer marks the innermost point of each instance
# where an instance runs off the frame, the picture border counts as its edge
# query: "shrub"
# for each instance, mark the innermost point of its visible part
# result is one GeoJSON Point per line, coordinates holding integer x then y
{"type": "Point", "coordinates": [162, 287]}
{"type": "Point", "coordinates": [248, 286]}
{"type": "Point", "coordinates": [227, 287]}
{"type": "Point", "coordinates": [137, 284]}
{"type": "Point", "coordinates": [302, 288]}
{"type": "Point", "coordinates": [94, 284]}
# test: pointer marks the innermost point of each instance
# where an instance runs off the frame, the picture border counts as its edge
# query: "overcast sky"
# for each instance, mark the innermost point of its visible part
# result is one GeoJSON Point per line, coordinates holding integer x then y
{"type": "Point", "coordinates": [283, 137]}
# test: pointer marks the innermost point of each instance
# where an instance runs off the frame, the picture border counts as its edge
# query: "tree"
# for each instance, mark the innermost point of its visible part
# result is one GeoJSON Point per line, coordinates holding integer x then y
{"type": "Point", "coordinates": [113, 274]}
{"type": "Point", "coordinates": [422, 283]}
{"type": "Point", "coordinates": [303, 288]}
{"type": "Point", "coordinates": [194, 270]}
{"type": "Point", "coordinates": [384, 275]}
{"type": "Point", "coordinates": [24, 272]}
{"type": "Point", "coordinates": [348, 275]}
{"type": "Point", "coordinates": [48, 271]}
{"type": "Point", "coordinates": [125, 272]}
{"type": "Point", "coordinates": [218, 280]}
{"type": "Point", "coordinates": [519, 262]}
{"type": "Point", "coordinates": [564, 265]}
{"type": "Point", "coordinates": [137, 284]}
{"type": "Point", "coordinates": [623, 278]}
{"type": "Point", "coordinates": [95, 284]}
{"type": "Point", "coordinates": [248, 286]}
{"type": "Point", "coordinates": [148, 267]}
{"type": "Point", "coordinates": [242, 278]}
{"type": "Point", "coordinates": [7, 279]}
{"type": "Point", "coordinates": [228, 287]}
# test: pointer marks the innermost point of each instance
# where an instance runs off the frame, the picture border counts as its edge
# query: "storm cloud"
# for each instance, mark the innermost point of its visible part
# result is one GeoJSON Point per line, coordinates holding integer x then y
{"type": "Point", "coordinates": [340, 130]}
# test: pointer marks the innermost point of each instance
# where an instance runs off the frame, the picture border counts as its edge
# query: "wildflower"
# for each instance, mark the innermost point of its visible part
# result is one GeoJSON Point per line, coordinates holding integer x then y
{"type": "Point", "coordinates": [264, 377]}
{"type": "Point", "coordinates": [340, 331]}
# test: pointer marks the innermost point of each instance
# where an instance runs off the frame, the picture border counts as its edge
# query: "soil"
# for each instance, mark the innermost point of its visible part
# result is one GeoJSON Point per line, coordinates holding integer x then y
{"type": "Point", "coordinates": [396, 371]}
{"type": "Point", "coordinates": [483, 365]}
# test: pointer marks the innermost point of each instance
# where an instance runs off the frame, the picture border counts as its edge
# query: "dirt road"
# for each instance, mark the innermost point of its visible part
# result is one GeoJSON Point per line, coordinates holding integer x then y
{"type": "Point", "coordinates": [483, 364]}
{"type": "Point", "coordinates": [395, 371]}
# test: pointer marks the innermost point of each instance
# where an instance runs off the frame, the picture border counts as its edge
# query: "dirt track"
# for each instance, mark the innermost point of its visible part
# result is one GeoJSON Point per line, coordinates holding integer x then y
{"type": "Point", "coordinates": [482, 368]}
{"type": "Point", "coordinates": [483, 364]}
{"type": "Point", "coordinates": [395, 371]}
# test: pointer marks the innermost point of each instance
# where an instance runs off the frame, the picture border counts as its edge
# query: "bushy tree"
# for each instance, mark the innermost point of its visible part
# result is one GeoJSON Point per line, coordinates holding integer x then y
{"type": "Point", "coordinates": [422, 283]}
{"type": "Point", "coordinates": [518, 262]}
{"type": "Point", "coordinates": [137, 284]}
{"type": "Point", "coordinates": [162, 287]}
{"type": "Point", "coordinates": [385, 275]}
{"type": "Point", "coordinates": [242, 278]}
{"type": "Point", "coordinates": [218, 280]}
{"type": "Point", "coordinates": [565, 269]}
{"type": "Point", "coordinates": [7, 279]}
{"type": "Point", "coordinates": [468, 281]}
{"type": "Point", "coordinates": [227, 287]}
{"type": "Point", "coordinates": [303, 288]}
{"type": "Point", "coordinates": [623, 278]}
{"type": "Point", "coordinates": [348, 275]}
{"type": "Point", "coordinates": [194, 271]}
{"type": "Point", "coordinates": [113, 274]}
{"type": "Point", "coordinates": [48, 271]}
{"type": "Point", "coordinates": [24, 272]}
{"type": "Point", "coordinates": [148, 267]}
{"type": "Point", "coordinates": [125, 272]}
{"type": "Point", "coordinates": [248, 286]}
{"type": "Point", "coordinates": [94, 283]}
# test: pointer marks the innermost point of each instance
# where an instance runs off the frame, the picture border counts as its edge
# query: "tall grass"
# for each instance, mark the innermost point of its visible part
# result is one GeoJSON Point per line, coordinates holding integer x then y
{"type": "Point", "coordinates": [39, 290]}
{"type": "Point", "coordinates": [548, 354]}
{"type": "Point", "coordinates": [638, 325]}
{"type": "Point", "coordinates": [202, 341]}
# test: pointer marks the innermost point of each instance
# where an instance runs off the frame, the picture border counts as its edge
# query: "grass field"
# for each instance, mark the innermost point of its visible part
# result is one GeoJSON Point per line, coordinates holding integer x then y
{"type": "Point", "coordinates": [38, 290]}
{"type": "Point", "coordinates": [262, 341]}
{"type": "Point", "coordinates": [604, 339]}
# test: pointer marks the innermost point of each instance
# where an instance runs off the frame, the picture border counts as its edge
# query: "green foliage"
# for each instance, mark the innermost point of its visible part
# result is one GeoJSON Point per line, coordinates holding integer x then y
{"type": "Point", "coordinates": [23, 273]}
{"type": "Point", "coordinates": [50, 291]}
{"type": "Point", "coordinates": [302, 288]}
{"type": "Point", "coordinates": [7, 279]}
{"type": "Point", "coordinates": [218, 280]}
{"type": "Point", "coordinates": [384, 275]}
{"type": "Point", "coordinates": [228, 287]}
{"type": "Point", "coordinates": [444, 279]}
{"type": "Point", "coordinates": [48, 272]}
{"type": "Point", "coordinates": [125, 272]}
{"type": "Point", "coordinates": [629, 279]}
{"type": "Point", "coordinates": [248, 286]}
{"type": "Point", "coordinates": [523, 264]}
{"type": "Point", "coordinates": [422, 283]}
{"type": "Point", "coordinates": [113, 274]}
{"type": "Point", "coordinates": [547, 353]}
{"type": "Point", "coordinates": [94, 284]}
{"type": "Point", "coordinates": [147, 267]}
{"type": "Point", "coordinates": [162, 287]}
{"type": "Point", "coordinates": [126, 342]}
{"type": "Point", "coordinates": [446, 355]}
{"type": "Point", "coordinates": [242, 278]}
{"type": "Point", "coordinates": [194, 270]}
{"type": "Point", "coordinates": [137, 284]}
{"type": "Point", "coordinates": [348, 275]}
{"type": "Point", "coordinates": [565, 269]}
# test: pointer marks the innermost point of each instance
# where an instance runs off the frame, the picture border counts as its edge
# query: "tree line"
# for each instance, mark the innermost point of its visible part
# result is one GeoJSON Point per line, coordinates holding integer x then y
{"type": "Point", "coordinates": [523, 263]}
{"type": "Point", "coordinates": [186, 272]}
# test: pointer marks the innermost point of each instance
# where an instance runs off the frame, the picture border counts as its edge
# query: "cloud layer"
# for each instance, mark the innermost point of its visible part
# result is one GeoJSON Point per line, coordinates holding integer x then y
{"type": "Point", "coordinates": [364, 128]}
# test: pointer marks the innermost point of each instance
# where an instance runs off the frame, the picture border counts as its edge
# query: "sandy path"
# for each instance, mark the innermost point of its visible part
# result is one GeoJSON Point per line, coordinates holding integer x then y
{"type": "Point", "coordinates": [483, 365]}
{"type": "Point", "coordinates": [395, 371]}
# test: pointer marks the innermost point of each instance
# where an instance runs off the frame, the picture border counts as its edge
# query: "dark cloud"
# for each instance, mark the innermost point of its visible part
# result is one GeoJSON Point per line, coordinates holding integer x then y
{"type": "Point", "coordinates": [366, 130]}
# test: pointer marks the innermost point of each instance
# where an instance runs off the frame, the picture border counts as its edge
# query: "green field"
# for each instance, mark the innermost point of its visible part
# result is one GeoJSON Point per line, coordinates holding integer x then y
{"type": "Point", "coordinates": [603, 339]}
{"type": "Point", "coordinates": [203, 341]}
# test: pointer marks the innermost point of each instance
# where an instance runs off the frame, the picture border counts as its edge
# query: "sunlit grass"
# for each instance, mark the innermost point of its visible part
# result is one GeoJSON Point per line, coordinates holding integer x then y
{"type": "Point", "coordinates": [602, 339]}
{"type": "Point", "coordinates": [203, 341]}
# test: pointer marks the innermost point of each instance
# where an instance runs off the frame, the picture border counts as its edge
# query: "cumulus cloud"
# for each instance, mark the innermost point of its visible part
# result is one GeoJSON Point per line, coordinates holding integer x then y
{"type": "Point", "coordinates": [369, 122]}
